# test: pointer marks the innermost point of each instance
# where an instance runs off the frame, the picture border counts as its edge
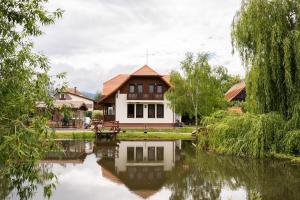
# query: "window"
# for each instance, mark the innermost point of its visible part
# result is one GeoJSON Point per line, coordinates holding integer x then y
{"type": "Point", "coordinates": [160, 111]}
{"type": "Point", "coordinates": [139, 153]}
{"type": "Point", "coordinates": [140, 88]}
{"type": "Point", "coordinates": [151, 153]}
{"type": "Point", "coordinates": [139, 111]}
{"type": "Point", "coordinates": [151, 110]}
{"type": "Point", "coordinates": [130, 153]}
{"type": "Point", "coordinates": [159, 89]}
{"type": "Point", "coordinates": [160, 153]}
{"type": "Point", "coordinates": [61, 96]}
{"type": "Point", "coordinates": [130, 110]}
{"type": "Point", "coordinates": [131, 88]}
{"type": "Point", "coordinates": [151, 89]}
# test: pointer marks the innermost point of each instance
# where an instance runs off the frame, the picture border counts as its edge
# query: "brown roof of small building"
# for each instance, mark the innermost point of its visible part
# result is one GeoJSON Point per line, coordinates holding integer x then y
{"type": "Point", "coordinates": [235, 90]}
{"type": "Point", "coordinates": [76, 92]}
{"type": "Point", "coordinates": [112, 85]}
{"type": "Point", "coordinates": [73, 91]}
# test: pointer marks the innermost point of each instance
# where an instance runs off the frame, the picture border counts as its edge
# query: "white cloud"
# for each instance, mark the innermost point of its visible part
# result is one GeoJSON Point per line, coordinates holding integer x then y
{"type": "Point", "coordinates": [97, 39]}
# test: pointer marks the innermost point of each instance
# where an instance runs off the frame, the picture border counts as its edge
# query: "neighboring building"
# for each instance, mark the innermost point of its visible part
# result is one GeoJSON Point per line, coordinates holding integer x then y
{"type": "Point", "coordinates": [138, 100]}
{"type": "Point", "coordinates": [236, 92]}
{"type": "Point", "coordinates": [78, 105]}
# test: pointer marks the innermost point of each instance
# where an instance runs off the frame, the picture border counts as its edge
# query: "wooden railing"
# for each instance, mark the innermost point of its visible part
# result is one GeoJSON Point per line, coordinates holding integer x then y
{"type": "Point", "coordinates": [144, 96]}
{"type": "Point", "coordinates": [109, 118]}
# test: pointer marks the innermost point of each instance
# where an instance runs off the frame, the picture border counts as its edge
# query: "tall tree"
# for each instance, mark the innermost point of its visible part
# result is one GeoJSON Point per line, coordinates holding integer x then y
{"type": "Point", "coordinates": [266, 34]}
{"type": "Point", "coordinates": [24, 82]}
{"type": "Point", "coordinates": [227, 80]}
{"type": "Point", "coordinates": [97, 96]}
{"type": "Point", "coordinates": [197, 91]}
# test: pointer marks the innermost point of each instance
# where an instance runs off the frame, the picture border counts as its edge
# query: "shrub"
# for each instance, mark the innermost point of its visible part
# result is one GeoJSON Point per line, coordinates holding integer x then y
{"type": "Point", "coordinates": [97, 114]}
{"type": "Point", "coordinates": [246, 134]}
{"type": "Point", "coordinates": [292, 142]}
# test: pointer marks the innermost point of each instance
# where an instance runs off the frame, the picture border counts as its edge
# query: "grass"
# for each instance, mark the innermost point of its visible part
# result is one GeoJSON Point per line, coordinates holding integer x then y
{"type": "Point", "coordinates": [187, 129]}
{"type": "Point", "coordinates": [128, 135]}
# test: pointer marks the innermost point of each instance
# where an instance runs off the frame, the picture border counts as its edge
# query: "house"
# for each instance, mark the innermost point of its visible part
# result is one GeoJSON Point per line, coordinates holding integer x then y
{"type": "Point", "coordinates": [138, 100]}
{"type": "Point", "coordinates": [77, 104]}
{"type": "Point", "coordinates": [237, 92]}
{"type": "Point", "coordinates": [141, 166]}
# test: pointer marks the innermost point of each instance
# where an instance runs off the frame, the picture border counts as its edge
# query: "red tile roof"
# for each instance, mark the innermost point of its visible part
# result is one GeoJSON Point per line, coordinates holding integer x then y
{"type": "Point", "coordinates": [235, 90]}
{"type": "Point", "coordinates": [145, 71]}
{"type": "Point", "coordinates": [112, 85]}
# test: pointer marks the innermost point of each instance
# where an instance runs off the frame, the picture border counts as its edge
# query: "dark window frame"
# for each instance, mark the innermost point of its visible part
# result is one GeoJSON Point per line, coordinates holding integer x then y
{"type": "Point", "coordinates": [130, 157]}
{"type": "Point", "coordinates": [136, 154]}
{"type": "Point", "coordinates": [153, 90]}
{"type": "Point", "coordinates": [131, 115]}
{"type": "Point", "coordinates": [149, 106]}
{"type": "Point", "coordinates": [160, 157]}
{"type": "Point", "coordinates": [158, 114]}
{"type": "Point", "coordinates": [151, 157]}
{"type": "Point", "coordinates": [134, 88]}
{"type": "Point", "coordinates": [138, 88]}
{"type": "Point", "coordinates": [141, 107]}
{"type": "Point", "coordinates": [157, 86]}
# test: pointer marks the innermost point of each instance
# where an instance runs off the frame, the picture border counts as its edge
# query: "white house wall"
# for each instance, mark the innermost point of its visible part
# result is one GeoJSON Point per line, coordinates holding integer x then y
{"type": "Point", "coordinates": [121, 111]}
{"type": "Point", "coordinates": [168, 163]}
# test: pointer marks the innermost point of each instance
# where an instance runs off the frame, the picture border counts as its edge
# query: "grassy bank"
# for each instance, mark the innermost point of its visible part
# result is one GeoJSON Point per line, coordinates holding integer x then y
{"type": "Point", "coordinates": [251, 135]}
{"type": "Point", "coordinates": [127, 135]}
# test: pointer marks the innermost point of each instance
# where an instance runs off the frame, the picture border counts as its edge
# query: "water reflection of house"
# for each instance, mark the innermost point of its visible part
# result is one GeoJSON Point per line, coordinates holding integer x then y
{"type": "Point", "coordinates": [74, 152]}
{"type": "Point", "coordinates": [141, 165]}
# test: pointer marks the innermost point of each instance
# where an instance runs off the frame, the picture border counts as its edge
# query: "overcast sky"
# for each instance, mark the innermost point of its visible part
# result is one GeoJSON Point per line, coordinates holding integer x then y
{"type": "Point", "coordinates": [97, 39]}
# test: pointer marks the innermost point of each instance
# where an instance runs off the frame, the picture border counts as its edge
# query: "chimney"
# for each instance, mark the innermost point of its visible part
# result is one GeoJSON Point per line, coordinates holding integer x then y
{"type": "Point", "coordinates": [75, 90]}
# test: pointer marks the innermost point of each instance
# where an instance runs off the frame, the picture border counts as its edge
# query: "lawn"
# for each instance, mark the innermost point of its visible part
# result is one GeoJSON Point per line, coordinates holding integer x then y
{"type": "Point", "coordinates": [127, 135]}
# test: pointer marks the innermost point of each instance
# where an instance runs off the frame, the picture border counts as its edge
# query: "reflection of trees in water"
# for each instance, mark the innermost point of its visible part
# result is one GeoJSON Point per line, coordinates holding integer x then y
{"type": "Point", "coordinates": [203, 177]}
{"type": "Point", "coordinates": [189, 180]}
{"type": "Point", "coordinates": [4, 190]}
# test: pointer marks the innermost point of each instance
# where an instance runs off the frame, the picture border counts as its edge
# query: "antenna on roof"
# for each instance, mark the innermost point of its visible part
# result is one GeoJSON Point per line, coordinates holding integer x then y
{"type": "Point", "coordinates": [147, 56]}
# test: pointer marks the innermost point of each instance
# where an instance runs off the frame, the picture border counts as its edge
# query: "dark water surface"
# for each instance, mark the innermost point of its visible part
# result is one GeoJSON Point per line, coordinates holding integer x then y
{"type": "Point", "coordinates": [129, 170]}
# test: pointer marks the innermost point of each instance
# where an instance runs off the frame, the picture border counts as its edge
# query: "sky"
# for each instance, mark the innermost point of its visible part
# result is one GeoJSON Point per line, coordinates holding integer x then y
{"type": "Point", "coordinates": [98, 39]}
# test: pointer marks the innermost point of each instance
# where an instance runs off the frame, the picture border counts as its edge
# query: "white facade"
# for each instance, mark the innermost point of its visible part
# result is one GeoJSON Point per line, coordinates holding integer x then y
{"type": "Point", "coordinates": [121, 111]}
{"type": "Point", "coordinates": [169, 153]}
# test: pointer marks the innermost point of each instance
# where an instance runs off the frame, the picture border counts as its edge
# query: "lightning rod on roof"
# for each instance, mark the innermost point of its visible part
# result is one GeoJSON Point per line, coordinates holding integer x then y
{"type": "Point", "coordinates": [147, 56]}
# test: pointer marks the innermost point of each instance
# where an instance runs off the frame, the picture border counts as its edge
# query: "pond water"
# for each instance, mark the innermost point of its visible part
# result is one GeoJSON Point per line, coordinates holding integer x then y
{"type": "Point", "coordinates": [129, 170]}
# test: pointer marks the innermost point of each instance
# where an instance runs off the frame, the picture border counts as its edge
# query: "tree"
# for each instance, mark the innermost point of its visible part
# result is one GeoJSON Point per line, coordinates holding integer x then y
{"type": "Point", "coordinates": [24, 82]}
{"type": "Point", "coordinates": [266, 34]}
{"type": "Point", "coordinates": [98, 96]}
{"type": "Point", "coordinates": [227, 80]}
{"type": "Point", "coordinates": [196, 91]}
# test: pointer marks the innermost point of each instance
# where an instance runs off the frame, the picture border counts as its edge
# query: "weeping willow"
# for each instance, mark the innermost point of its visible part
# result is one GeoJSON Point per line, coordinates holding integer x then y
{"type": "Point", "coordinates": [266, 33]}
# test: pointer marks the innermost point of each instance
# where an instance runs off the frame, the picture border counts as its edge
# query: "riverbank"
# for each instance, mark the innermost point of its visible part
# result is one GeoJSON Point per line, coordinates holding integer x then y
{"type": "Point", "coordinates": [127, 135]}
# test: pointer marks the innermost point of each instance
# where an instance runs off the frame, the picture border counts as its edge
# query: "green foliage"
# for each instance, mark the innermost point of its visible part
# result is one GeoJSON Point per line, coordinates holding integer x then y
{"type": "Point", "coordinates": [250, 134]}
{"type": "Point", "coordinates": [267, 36]}
{"type": "Point", "coordinates": [97, 96]}
{"type": "Point", "coordinates": [245, 134]}
{"type": "Point", "coordinates": [24, 82]}
{"type": "Point", "coordinates": [292, 142]}
{"type": "Point", "coordinates": [89, 114]}
{"type": "Point", "coordinates": [227, 80]}
{"type": "Point", "coordinates": [97, 114]}
{"type": "Point", "coordinates": [198, 90]}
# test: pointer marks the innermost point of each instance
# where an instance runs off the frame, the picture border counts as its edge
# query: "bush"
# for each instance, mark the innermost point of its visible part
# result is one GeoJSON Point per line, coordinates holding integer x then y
{"type": "Point", "coordinates": [245, 134]}
{"type": "Point", "coordinates": [97, 114]}
{"type": "Point", "coordinates": [292, 142]}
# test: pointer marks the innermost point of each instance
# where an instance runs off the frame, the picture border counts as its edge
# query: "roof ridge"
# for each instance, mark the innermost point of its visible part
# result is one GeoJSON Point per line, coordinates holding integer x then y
{"type": "Point", "coordinates": [143, 68]}
{"type": "Point", "coordinates": [116, 77]}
